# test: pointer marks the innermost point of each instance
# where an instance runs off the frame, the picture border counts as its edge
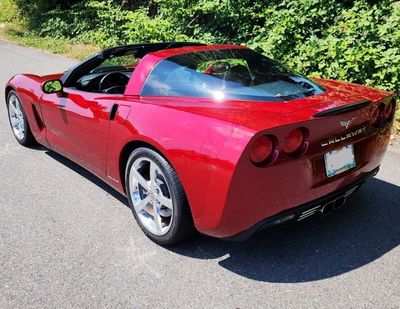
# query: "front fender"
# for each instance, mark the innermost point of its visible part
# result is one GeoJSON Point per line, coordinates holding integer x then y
{"type": "Point", "coordinates": [29, 90]}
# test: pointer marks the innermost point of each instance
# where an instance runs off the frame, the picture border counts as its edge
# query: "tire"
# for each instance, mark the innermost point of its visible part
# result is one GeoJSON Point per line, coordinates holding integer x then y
{"type": "Point", "coordinates": [18, 120]}
{"type": "Point", "coordinates": [158, 202]}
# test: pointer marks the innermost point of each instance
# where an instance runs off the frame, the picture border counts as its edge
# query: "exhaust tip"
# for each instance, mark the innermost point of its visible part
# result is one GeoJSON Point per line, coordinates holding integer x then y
{"type": "Point", "coordinates": [340, 202]}
{"type": "Point", "coordinates": [328, 208]}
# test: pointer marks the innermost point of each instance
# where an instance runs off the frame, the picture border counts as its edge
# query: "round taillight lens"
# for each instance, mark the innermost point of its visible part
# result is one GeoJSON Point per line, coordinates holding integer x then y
{"type": "Point", "coordinates": [294, 141]}
{"type": "Point", "coordinates": [376, 117]}
{"type": "Point", "coordinates": [388, 111]}
{"type": "Point", "coordinates": [262, 149]}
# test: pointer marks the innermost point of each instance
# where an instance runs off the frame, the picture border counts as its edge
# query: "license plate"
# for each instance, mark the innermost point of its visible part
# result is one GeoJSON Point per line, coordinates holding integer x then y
{"type": "Point", "coordinates": [339, 161]}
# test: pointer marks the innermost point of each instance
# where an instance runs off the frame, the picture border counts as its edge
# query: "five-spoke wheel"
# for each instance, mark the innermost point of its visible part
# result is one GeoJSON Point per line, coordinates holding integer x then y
{"type": "Point", "coordinates": [18, 120]}
{"type": "Point", "coordinates": [157, 198]}
{"type": "Point", "coordinates": [16, 117]}
{"type": "Point", "coordinates": [150, 196]}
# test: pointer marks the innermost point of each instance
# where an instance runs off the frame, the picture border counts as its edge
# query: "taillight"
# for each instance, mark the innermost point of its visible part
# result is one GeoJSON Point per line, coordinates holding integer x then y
{"type": "Point", "coordinates": [377, 116]}
{"type": "Point", "coordinates": [295, 142]}
{"type": "Point", "coordinates": [388, 112]}
{"type": "Point", "coordinates": [262, 149]}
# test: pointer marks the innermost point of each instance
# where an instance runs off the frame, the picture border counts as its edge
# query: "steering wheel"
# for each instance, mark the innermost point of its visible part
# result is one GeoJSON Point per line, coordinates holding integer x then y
{"type": "Point", "coordinates": [112, 80]}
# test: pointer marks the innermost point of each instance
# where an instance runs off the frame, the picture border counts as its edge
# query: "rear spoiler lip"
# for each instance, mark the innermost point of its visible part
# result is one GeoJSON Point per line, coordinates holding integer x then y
{"type": "Point", "coordinates": [342, 109]}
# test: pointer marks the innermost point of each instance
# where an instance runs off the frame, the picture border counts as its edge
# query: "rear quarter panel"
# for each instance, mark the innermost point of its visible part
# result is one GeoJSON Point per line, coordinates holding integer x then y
{"type": "Point", "coordinates": [191, 142]}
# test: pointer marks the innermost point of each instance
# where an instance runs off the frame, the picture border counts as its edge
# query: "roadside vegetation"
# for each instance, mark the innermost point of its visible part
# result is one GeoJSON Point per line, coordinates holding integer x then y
{"type": "Point", "coordinates": [350, 40]}
{"type": "Point", "coordinates": [14, 27]}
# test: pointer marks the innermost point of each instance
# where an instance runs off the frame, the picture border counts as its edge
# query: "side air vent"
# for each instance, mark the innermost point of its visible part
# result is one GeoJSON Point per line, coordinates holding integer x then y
{"type": "Point", "coordinates": [342, 109]}
{"type": "Point", "coordinates": [113, 111]}
{"type": "Point", "coordinates": [37, 117]}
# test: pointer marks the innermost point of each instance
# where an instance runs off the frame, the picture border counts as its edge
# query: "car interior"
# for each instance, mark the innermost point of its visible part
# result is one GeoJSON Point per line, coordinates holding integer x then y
{"type": "Point", "coordinates": [113, 81]}
{"type": "Point", "coordinates": [111, 76]}
{"type": "Point", "coordinates": [109, 71]}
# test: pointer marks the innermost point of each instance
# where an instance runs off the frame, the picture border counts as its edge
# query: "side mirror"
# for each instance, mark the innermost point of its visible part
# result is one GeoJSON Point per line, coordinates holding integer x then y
{"type": "Point", "coordinates": [52, 86]}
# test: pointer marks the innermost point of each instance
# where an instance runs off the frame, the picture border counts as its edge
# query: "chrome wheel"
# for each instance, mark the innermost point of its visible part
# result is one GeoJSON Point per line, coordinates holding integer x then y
{"type": "Point", "coordinates": [150, 195]}
{"type": "Point", "coordinates": [17, 118]}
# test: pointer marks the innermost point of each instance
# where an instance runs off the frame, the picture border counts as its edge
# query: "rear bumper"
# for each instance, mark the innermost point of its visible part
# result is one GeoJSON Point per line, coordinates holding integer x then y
{"type": "Point", "coordinates": [323, 204]}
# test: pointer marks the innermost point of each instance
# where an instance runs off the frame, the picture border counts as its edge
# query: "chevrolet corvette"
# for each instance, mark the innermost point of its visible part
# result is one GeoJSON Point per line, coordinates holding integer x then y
{"type": "Point", "coordinates": [214, 138]}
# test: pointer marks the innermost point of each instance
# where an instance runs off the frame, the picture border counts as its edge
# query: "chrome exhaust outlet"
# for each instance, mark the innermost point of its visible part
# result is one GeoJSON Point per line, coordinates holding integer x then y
{"type": "Point", "coordinates": [339, 202]}
{"type": "Point", "coordinates": [333, 205]}
{"type": "Point", "coordinates": [328, 208]}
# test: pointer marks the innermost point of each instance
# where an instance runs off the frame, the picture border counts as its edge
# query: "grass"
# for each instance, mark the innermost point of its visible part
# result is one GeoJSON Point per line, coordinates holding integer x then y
{"type": "Point", "coordinates": [17, 33]}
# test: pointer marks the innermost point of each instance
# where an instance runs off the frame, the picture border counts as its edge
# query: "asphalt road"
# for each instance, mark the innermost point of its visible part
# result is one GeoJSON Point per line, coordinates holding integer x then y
{"type": "Point", "coordinates": [68, 240]}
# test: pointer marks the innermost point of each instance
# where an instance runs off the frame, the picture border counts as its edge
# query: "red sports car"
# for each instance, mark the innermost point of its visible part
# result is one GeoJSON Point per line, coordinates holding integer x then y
{"type": "Point", "coordinates": [217, 138]}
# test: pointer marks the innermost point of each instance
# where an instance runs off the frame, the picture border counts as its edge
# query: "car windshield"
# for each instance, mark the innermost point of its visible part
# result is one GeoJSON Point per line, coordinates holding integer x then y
{"type": "Point", "coordinates": [233, 74]}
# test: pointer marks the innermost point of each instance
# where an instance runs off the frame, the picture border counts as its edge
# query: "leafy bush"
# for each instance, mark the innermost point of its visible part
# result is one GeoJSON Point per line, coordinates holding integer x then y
{"type": "Point", "coordinates": [8, 11]}
{"type": "Point", "coordinates": [353, 40]}
{"type": "Point", "coordinates": [36, 11]}
{"type": "Point", "coordinates": [104, 24]}
{"type": "Point", "coordinates": [359, 44]}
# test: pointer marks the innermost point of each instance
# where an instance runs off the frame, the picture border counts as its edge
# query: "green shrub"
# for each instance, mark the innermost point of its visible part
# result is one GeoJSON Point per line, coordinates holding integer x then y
{"type": "Point", "coordinates": [358, 44]}
{"type": "Point", "coordinates": [357, 41]}
{"type": "Point", "coordinates": [104, 24]}
{"type": "Point", "coordinates": [35, 11]}
{"type": "Point", "coordinates": [8, 11]}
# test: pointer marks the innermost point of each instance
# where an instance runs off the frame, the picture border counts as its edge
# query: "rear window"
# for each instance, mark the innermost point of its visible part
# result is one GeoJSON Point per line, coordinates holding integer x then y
{"type": "Point", "coordinates": [233, 74]}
